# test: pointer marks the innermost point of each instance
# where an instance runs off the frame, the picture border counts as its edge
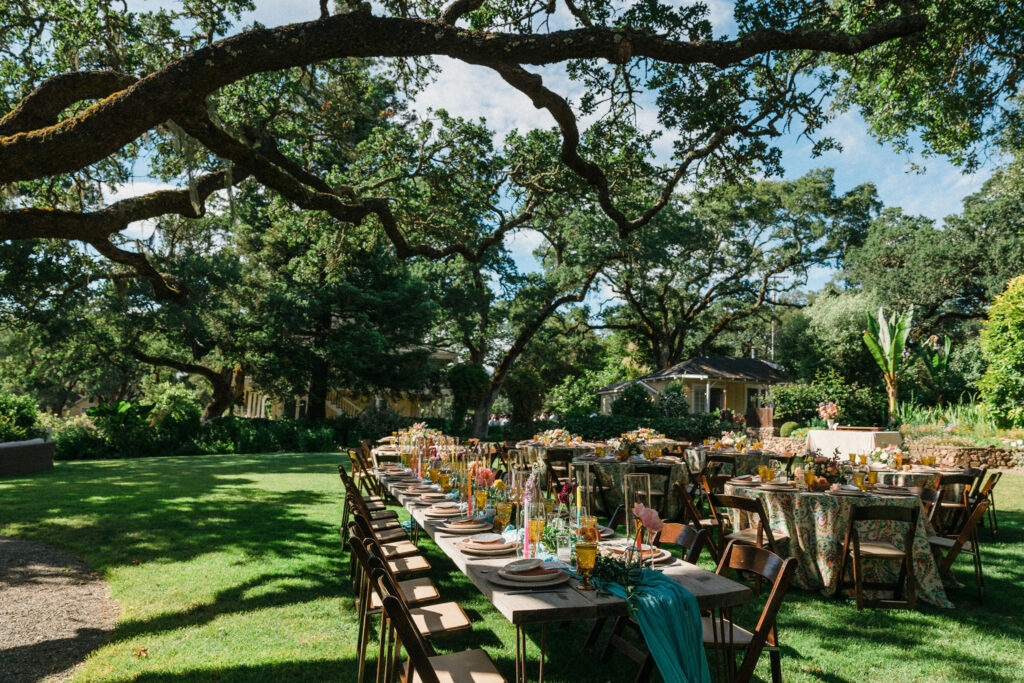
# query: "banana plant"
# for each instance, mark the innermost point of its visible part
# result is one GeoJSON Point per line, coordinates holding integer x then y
{"type": "Point", "coordinates": [935, 357]}
{"type": "Point", "coordinates": [886, 339]}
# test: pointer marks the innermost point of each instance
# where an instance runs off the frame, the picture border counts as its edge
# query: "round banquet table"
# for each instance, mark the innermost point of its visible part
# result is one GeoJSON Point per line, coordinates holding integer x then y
{"type": "Point", "coordinates": [611, 472]}
{"type": "Point", "coordinates": [816, 524]}
{"type": "Point", "coordinates": [746, 462]}
{"type": "Point", "coordinates": [912, 478]}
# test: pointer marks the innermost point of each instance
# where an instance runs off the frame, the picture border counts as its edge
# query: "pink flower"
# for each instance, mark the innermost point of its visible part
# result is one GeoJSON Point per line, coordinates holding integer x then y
{"type": "Point", "coordinates": [649, 517]}
{"type": "Point", "coordinates": [484, 476]}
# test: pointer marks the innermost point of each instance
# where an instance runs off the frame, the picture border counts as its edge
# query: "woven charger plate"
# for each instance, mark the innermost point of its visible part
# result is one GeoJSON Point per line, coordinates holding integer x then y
{"type": "Point", "coordinates": [464, 529]}
{"type": "Point", "coordinates": [499, 580]}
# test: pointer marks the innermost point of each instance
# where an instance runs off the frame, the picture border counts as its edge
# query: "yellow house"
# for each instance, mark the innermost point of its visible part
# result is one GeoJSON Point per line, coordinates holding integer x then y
{"type": "Point", "coordinates": [710, 382]}
{"type": "Point", "coordinates": [257, 403]}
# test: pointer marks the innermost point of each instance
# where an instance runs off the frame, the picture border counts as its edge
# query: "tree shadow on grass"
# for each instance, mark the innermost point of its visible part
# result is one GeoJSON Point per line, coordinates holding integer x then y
{"type": "Point", "coordinates": [278, 672]}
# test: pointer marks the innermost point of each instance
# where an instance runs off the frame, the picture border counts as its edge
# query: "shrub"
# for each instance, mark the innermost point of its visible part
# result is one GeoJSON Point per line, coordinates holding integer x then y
{"type": "Point", "coordinates": [787, 428]}
{"type": "Point", "coordinates": [798, 402]}
{"type": "Point", "coordinates": [525, 390]}
{"type": "Point", "coordinates": [316, 440]}
{"type": "Point", "coordinates": [18, 418]}
{"type": "Point", "coordinates": [77, 438]}
{"type": "Point", "coordinates": [126, 428]}
{"type": "Point", "coordinates": [1002, 341]}
{"type": "Point", "coordinates": [468, 383]}
{"type": "Point", "coordinates": [634, 401]}
{"type": "Point", "coordinates": [672, 402]}
{"type": "Point", "coordinates": [176, 417]}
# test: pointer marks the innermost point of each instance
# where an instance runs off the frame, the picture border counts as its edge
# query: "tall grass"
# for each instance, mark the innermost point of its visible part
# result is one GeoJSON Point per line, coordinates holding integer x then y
{"type": "Point", "coordinates": [965, 423]}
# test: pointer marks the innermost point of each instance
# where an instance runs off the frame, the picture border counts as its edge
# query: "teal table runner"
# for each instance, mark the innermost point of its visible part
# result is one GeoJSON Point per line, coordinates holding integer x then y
{"type": "Point", "coordinates": [669, 620]}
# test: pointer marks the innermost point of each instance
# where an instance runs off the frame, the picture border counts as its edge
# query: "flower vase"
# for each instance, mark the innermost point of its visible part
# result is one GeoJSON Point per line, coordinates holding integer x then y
{"type": "Point", "coordinates": [832, 424]}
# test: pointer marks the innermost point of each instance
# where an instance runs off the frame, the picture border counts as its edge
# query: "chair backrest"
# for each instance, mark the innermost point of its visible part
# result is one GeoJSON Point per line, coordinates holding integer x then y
{"type": "Point", "coordinates": [408, 635]}
{"type": "Point", "coordinates": [713, 482]}
{"type": "Point", "coordinates": [617, 518]}
{"type": "Point", "coordinates": [931, 499]}
{"type": "Point", "coordinates": [751, 506]}
{"type": "Point", "coordinates": [990, 483]}
{"type": "Point", "coordinates": [690, 513]}
{"type": "Point", "coordinates": [720, 459]}
{"type": "Point", "coordinates": [689, 539]}
{"type": "Point", "coordinates": [773, 569]}
{"type": "Point", "coordinates": [556, 462]}
{"type": "Point", "coordinates": [966, 532]}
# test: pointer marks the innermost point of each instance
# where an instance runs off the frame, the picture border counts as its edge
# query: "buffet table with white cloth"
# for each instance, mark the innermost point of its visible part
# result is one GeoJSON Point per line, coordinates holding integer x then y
{"type": "Point", "coordinates": [850, 441]}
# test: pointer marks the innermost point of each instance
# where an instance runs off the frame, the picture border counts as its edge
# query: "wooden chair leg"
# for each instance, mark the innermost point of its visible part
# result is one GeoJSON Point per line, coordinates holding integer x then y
{"type": "Point", "coordinates": [620, 623]}
{"type": "Point", "coordinates": [776, 661]}
{"type": "Point", "coordinates": [858, 582]}
{"type": "Point", "coordinates": [978, 577]}
{"type": "Point", "coordinates": [596, 626]}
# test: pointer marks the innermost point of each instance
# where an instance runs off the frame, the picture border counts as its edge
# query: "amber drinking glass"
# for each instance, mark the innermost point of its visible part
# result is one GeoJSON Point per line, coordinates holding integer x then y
{"type": "Point", "coordinates": [503, 513]}
{"type": "Point", "coordinates": [588, 531]}
{"type": "Point", "coordinates": [863, 459]}
{"type": "Point", "coordinates": [479, 499]}
{"type": "Point", "coordinates": [858, 480]}
{"type": "Point", "coordinates": [536, 533]}
{"type": "Point", "coordinates": [586, 556]}
{"type": "Point", "coordinates": [444, 479]}
{"type": "Point", "coordinates": [872, 478]}
{"type": "Point", "coordinates": [809, 477]}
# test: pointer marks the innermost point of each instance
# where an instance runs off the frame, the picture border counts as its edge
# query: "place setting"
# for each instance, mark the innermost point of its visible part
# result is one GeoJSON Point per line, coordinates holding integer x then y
{"type": "Point", "coordinates": [464, 525]}
{"type": "Point", "coordinates": [487, 545]}
{"type": "Point", "coordinates": [528, 574]}
{"type": "Point", "coordinates": [445, 510]}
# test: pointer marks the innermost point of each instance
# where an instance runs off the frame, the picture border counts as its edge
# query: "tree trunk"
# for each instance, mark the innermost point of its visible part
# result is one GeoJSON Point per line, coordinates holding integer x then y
{"type": "Point", "coordinates": [316, 408]}
{"type": "Point", "coordinates": [222, 397]}
{"type": "Point", "coordinates": [482, 414]}
{"type": "Point", "coordinates": [891, 390]}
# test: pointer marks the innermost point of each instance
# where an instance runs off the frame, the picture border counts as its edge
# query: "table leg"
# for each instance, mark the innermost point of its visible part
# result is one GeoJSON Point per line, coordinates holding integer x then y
{"type": "Point", "coordinates": [521, 676]}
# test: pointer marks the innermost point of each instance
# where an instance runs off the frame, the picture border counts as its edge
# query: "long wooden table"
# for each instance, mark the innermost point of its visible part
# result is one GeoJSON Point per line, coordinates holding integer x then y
{"type": "Point", "coordinates": [567, 603]}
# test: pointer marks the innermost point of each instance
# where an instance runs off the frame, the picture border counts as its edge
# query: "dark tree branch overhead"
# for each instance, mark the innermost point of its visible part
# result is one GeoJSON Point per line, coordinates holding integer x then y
{"type": "Point", "coordinates": [178, 88]}
{"type": "Point", "coordinates": [49, 133]}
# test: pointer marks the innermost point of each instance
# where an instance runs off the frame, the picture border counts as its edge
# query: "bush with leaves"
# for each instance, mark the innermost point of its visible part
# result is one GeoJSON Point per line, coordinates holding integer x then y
{"type": "Point", "coordinates": [18, 418]}
{"type": "Point", "coordinates": [798, 402]}
{"type": "Point", "coordinates": [634, 401]}
{"type": "Point", "coordinates": [787, 428]}
{"type": "Point", "coordinates": [525, 390]}
{"type": "Point", "coordinates": [176, 417]}
{"type": "Point", "coordinates": [127, 428]}
{"type": "Point", "coordinates": [1002, 340]}
{"type": "Point", "coordinates": [77, 438]}
{"type": "Point", "coordinates": [672, 402]}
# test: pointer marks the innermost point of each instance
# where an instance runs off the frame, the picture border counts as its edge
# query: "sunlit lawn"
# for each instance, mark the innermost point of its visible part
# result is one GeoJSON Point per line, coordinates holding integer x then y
{"type": "Point", "coordinates": [228, 568]}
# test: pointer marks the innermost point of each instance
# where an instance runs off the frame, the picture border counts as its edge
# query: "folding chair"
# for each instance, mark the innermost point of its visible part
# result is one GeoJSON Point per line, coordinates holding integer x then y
{"type": "Point", "coordinates": [855, 550]}
{"type": "Point", "coordinates": [966, 541]}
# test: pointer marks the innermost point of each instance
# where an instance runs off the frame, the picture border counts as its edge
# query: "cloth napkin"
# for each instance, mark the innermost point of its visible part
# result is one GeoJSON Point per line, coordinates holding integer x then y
{"type": "Point", "coordinates": [669, 620]}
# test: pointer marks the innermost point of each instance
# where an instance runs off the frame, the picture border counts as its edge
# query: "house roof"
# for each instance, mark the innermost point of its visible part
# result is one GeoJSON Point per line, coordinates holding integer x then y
{"type": "Point", "coordinates": [713, 367]}
{"type": "Point", "coordinates": [724, 367]}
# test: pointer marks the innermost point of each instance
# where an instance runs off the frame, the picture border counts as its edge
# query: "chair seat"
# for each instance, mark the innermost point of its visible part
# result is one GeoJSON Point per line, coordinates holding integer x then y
{"type": "Point", "coordinates": [472, 666]}
{"type": "Point", "coordinates": [396, 549]}
{"type": "Point", "coordinates": [439, 619]}
{"type": "Point", "coordinates": [383, 514]}
{"type": "Point", "coordinates": [375, 506]}
{"type": "Point", "coordinates": [741, 637]}
{"type": "Point", "coordinates": [414, 590]}
{"type": "Point", "coordinates": [880, 549]}
{"type": "Point", "coordinates": [404, 566]}
{"type": "Point", "coordinates": [392, 534]}
{"type": "Point", "coordinates": [385, 524]}
{"type": "Point", "coordinates": [749, 536]}
{"type": "Point", "coordinates": [946, 504]}
{"type": "Point", "coordinates": [947, 543]}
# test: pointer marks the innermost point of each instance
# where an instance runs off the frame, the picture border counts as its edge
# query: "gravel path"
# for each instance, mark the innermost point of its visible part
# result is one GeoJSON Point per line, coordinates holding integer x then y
{"type": "Point", "coordinates": [54, 610]}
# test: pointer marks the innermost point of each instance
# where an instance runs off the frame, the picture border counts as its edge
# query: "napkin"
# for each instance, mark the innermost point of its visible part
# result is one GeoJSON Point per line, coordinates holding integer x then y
{"type": "Point", "coordinates": [845, 487]}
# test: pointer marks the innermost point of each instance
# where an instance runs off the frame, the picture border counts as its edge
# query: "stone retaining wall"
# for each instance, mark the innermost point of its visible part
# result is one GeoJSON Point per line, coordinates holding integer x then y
{"type": "Point", "coordinates": [964, 456]}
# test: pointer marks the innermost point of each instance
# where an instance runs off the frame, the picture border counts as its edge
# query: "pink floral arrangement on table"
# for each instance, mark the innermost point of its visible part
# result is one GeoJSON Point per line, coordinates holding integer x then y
{"type": "Point", "coordinates": [648, 523]}
{"type": "Point", "coordinates": [828, 411]}
{"type": "Point", "coordinates": [483, 476]}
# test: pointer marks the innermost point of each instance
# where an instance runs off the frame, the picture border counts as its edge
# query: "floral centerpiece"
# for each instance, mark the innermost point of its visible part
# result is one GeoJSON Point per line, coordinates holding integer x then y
{"type": "Point", "coordinates": [626, 445]}
{"type": "Point", "coordinates": [828, 412]}
{"type": "Point", "coordinates": [827, 470]}
{"type": "Point", "coordinates": [737, 440]}
{"type": "Point", "coordinates": [890, 456]}
{"type": "Point", "coordinates": [558, 436]}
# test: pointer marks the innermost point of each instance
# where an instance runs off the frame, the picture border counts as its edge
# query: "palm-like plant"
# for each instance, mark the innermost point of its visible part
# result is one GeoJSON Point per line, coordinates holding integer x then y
{"type": "Point", "coordinates": [886, 339]}
{"type": "Point", "coordinates": [935, 357]}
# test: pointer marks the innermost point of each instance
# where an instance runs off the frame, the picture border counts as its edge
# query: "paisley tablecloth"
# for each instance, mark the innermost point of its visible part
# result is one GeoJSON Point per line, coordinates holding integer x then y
{"type": "Point", "coordinates": [893, 478]}
{"type": "Point", "coordinates": [746, 463]}
{"type": "Point", "coordinates": [816, 524]}
{"type": "Point", "coordinates": [611, 474]}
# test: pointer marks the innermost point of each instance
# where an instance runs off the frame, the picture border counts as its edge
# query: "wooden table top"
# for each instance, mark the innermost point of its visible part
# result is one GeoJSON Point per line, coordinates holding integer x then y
{"type": "Point", "coordinates": [711, 590]}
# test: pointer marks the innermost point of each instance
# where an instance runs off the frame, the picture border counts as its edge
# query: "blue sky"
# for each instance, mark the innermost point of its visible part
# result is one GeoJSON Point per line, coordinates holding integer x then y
{"type": "Point", "coordinates": [474, 92]}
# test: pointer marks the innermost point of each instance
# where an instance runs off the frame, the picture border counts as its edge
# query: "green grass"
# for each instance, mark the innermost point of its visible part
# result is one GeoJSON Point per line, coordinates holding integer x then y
{"type": "Point", "coordinates": [227, 568]}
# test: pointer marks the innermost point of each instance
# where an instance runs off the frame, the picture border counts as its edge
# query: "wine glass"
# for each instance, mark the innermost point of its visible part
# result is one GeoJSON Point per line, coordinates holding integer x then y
{"type": "Point", "coordinates": [536, 532]}
{"type": "Point", "coordinates": [586, 556]}
{"type": "Point", "coordinates": [502, 514]}
{"type": "Point", "coordinates": [872, 478]}
{"type": "Point", "coordinates": [858, 479]}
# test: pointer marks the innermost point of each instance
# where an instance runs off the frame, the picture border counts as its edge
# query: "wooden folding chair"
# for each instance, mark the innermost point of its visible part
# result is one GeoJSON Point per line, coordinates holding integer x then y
{"type": "Point", "coordinates": [689, 514]}
{"type": "Point", "coordinates": [556, 466]}
{"type": "Point", "coordinates": [855, 550]}
{"type": "Point", "coordinates": [759, 534]}
{"type": "Point", "coordinates": [661, 483]}
{"type": "Point", "coordinates": [954, 507]}
{"type": "Point", "coordinates": [422, 666]}
{"type": "Point", "coordinates": [931, 499]}
{"type": "Point", "coordinates": [727, 635]}
{"type": "Point", "coordinates": [966, 541]}
{"type": "Point", "coordinates": [986, 492]}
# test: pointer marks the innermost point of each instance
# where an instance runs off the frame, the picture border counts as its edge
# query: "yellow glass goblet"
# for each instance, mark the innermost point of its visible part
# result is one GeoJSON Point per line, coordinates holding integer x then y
{"type": "Point", "coordinates": [872, 478]}
{"type": "Point", "coordinates": [809, 477]}
{"type": "Point", "coordinates": [858, 480]}
{"type": "Point", "coordinates": [586, 556]}
{"type": "Point", "coordinates": [536, 533]}
{"type": "Point", "coordinates": [479, 499]}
